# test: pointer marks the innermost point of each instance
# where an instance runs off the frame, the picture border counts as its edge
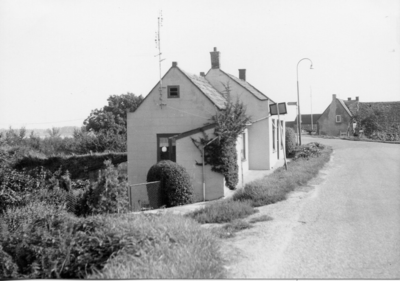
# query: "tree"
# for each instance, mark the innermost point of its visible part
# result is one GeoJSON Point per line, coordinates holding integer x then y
{"type": "Point", "coordinates": [105, 128]}
{"type": "Point", "coordinates": [113, 116]}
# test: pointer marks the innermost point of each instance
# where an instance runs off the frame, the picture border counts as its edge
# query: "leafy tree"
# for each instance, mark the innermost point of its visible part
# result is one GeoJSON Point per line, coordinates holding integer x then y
{"type": "Point", "coordinates": [105, 128]}
{"type": "Point", "coordinates": [113, 116]}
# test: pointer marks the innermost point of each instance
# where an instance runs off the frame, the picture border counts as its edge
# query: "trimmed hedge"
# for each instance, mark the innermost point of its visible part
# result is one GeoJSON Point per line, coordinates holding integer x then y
{"type": "Point", "coordinates": [176, 186]}
{"type": "Point", "coordinates": [78, 165]}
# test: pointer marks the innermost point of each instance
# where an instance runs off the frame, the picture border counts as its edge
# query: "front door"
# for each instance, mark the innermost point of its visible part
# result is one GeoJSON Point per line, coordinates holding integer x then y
{"type": "Point", "coordinates": [166, 147]}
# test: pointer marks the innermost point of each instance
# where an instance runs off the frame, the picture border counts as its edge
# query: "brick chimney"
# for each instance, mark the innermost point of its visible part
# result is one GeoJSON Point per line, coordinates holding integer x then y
{"type": "Point", "coordinates": [174, 64]}
{"type": "Point", "coordinates": [349, 99]}
{"type": "Point", "coordinates": [202, 74]}
{"type": "Point", "coordinates": [215, 59]}
{"type": "Point", "coordinates": [242, 74]}
{"type": "Point", "coordinates": [356, 98]}
{"type": "Point", "coordinates": [334, 96]}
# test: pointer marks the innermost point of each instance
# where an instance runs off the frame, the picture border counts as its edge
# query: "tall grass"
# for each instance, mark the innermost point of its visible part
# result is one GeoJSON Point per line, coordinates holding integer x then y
{"type": "Point", "coordinates": [275, 187]}
{"type": "Point", "coordinates": [171, 247]}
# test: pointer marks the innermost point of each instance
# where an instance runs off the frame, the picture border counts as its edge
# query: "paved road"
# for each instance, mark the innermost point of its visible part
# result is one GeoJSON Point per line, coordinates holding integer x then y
{"type": "Point", "coordinates": [346, 225]}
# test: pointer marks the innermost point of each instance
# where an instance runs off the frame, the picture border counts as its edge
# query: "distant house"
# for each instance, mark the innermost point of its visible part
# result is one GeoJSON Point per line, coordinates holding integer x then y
{"type": "Point", "coordinates": [308, 122]}
{"type": "Point", "coordinates": [340, 117]}
{"type": "Point", "coordinates": [163, 126]}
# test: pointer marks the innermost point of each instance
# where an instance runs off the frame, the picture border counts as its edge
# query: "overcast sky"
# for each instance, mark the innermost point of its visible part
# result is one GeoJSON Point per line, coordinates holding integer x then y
{"type": "Point", "coordinates": [61, 59]}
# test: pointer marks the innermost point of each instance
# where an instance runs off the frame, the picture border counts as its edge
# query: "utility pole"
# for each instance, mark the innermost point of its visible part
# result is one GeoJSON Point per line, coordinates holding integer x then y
{"type": "Point", "coordinates": [158, 46]}
{"type": "Point", "coordinates": [312, 125]}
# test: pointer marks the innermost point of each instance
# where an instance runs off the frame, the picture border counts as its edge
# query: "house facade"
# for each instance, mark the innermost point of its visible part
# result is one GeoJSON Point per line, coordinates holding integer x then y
{"type": "Point", "coordinates": [163, 126]}
{"type": "Point", "coordinates": [342, 117]}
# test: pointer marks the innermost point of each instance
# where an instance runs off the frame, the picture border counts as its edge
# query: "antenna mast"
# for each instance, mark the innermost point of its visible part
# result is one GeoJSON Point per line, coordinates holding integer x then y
{"type": "Point", "coordinates": [158, 46]}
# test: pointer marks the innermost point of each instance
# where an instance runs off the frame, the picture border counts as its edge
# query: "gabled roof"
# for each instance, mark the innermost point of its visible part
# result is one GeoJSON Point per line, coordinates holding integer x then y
{"type": "Point", "coordinates": [207, 89]}
{"type": "Point", "coordinates": [352, 105]}
{"type": "Point", "coordinates": [342, 102]}
{"type": "Point", "coordinates": [248, 87]}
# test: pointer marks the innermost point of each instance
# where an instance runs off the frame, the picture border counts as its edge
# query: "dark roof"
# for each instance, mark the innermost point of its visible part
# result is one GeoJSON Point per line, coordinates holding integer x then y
{"type": "Point", "coordinates": [306, 118]}
{"type": "Point", "coordinates": [352, 106]}
{"type": "Point", "coordinates": [204, 86]}
{"type": "Point", "coordinates": [258, 94]}
{"type": "Point", "coordinates": [343, 103]}
{"type": "Point", "coordinates": [386, 108]}
{"type": "Point", "coordinates": [391, 108]}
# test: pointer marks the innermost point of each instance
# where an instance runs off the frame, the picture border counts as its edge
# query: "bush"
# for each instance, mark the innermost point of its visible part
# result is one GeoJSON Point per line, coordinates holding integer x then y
{"type": "Point", "coordinates": [312, 149]}
{"type": "Point", "coordinates": [223, 211]}
{"type": "Point", "coordinates": [109, 195]}
{"type": "Point", "coordinates": [176, 187]}
{"type": "Point", "coordinates": [290, 141]}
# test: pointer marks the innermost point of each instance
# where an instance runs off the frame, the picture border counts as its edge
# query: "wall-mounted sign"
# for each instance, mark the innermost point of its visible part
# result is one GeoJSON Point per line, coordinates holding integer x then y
{"type": "Point", "coordinates": [273, 108]}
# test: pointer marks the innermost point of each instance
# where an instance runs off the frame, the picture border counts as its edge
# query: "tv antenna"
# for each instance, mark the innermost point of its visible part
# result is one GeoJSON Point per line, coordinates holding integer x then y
{"type": "Point", "coordinates": [158, 46]}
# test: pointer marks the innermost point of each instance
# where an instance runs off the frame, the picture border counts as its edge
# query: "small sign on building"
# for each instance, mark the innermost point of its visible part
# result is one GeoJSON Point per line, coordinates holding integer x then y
{"type": "Point", "coordinates": [273, 108]}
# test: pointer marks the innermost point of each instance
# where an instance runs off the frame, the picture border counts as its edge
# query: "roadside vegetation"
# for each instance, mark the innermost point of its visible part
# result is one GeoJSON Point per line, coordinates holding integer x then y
{"type": "Point", "coordinates": [306, 162]}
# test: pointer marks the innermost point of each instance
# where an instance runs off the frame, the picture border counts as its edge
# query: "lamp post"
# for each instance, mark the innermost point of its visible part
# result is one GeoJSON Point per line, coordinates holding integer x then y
{"type": "Point", "coordinates": [298, 100]}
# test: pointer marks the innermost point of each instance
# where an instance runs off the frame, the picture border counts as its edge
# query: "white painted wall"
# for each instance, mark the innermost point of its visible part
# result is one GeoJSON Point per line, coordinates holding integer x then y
{"type": "Point", "coordinates": [187, 156]}
{"type": "Point", "coordinates": [192, 110]}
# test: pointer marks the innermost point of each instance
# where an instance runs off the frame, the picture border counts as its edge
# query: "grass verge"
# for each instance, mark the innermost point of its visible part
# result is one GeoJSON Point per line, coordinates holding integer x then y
{"type": "Point", "coordinates": [223, 211]}
{"type": "Point", "coordinates": [275, 187]}
{"type": "Point", "coordinates": [260, 219]}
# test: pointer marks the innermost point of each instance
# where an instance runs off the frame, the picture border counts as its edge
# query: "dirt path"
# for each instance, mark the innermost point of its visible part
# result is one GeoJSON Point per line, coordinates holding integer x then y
{"type": "Point", "coordinates": [345, 224]}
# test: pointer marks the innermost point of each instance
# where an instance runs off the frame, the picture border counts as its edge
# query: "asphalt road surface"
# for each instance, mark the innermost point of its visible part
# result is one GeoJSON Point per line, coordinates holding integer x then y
{"type": "Point", "coordinates": [345, 224]}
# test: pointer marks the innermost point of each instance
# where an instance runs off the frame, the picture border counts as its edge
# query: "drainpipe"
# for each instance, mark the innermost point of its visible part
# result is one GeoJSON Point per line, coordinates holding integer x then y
{"type": "Point", "coordinates": [204, 180]}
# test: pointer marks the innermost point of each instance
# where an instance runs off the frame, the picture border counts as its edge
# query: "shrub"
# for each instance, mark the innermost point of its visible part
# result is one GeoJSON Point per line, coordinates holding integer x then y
{"type": "Point", "coordinates": [176, 187]}
{"type": "Point", "coordinates": [312, 149]}
{"type": "Point", "coordinates": [223, 211]}
{"type": "Point", "coordinates": [109, 195]}
{"type": "Point", "coordinates": [290, 141]}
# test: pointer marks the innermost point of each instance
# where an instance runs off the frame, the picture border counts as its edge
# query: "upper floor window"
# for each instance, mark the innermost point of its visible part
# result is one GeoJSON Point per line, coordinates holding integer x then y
{"type": "Point", "coordinates": [173, 91]}
{"type": "Point", "coordinates": [338, 118]}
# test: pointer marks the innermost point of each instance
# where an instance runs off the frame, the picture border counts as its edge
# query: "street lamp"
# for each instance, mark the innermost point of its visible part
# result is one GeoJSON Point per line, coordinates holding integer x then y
{"type": "Point", "coordinates": [298, 100]}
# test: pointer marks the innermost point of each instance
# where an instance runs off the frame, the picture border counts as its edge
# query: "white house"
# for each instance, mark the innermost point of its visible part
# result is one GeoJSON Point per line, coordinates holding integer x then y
{"type": "Point", "coordinates": [182, 109]}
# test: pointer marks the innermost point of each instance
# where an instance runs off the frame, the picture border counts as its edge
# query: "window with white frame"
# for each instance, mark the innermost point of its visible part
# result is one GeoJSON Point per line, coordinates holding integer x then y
{"type": "Point", "coordinates": [338, 118]}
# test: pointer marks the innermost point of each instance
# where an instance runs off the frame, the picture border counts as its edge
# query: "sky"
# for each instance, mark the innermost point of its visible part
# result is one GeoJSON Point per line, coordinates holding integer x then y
{"type": "Point", "coordinates": [61, 59]}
